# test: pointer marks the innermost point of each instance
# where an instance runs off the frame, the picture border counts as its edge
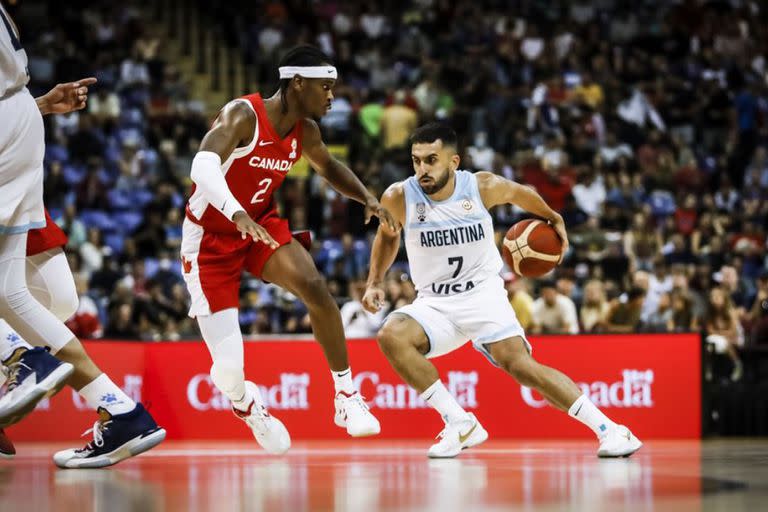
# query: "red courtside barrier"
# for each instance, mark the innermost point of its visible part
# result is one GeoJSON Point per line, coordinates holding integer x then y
{"type": "Point", "coordinates": [648, 382]}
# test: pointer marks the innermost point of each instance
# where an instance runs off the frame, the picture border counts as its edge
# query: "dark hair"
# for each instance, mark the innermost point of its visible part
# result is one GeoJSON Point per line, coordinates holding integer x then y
{"type": "Point", "coordinates": [303, 55]}
{"type": "Point", "coordinates": [635, 293]}
{"type": "Point", "coordinates": [431, 132]}
{"type": "Point", "coordinates": [547, 283]}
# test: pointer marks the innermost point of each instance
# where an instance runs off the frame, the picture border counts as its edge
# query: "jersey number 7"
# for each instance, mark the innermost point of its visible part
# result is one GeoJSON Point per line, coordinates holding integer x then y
{"type": "Point", "coordinates": [460, 262]}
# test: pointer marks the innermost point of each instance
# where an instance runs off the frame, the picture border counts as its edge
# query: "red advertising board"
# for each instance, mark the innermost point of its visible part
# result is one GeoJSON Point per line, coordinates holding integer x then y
{"type": "Point", "coordinates": [651, 383]}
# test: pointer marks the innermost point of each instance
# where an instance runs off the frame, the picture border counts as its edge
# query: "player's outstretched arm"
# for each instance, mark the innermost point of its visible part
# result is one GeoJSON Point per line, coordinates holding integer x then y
{"type": "Point", "coordinates": [385, 247]}
{"type": "Point", "coordinates": [340, 176]}
{"type": "Point", "coordinates": [496, 190]}
{"type": "Point", "coordinates": [233, 128]}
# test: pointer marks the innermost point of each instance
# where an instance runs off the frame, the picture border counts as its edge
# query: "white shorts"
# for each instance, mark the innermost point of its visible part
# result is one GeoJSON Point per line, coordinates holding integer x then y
{"type": "Point", "coordinates": [22, 149]}
{"type": "Point", "coordinates": [482, 314]}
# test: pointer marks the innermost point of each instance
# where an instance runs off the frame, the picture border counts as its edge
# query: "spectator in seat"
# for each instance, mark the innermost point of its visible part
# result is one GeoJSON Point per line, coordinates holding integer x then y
{"type": "Point", "coordinates": [624, 315]}
{"type": "Point", "coordinates": [590, 193]}
{"type": "Point", "coordinates": [643, 242]}
{"type": "Point", "coordinates": [594, 308]}
{"type": "Point", "coordinates": [520, 299]}
{"type": "Point", "coordinates": [721, 327]}
{"type": "Point", "coordinates": [91, 252]}
{"type": "Point", "coordinates": [661, 319]}
{"type": "Point", "coordinates": [728, 277]}
{"type": "Point", "coordinates": [612, 150]}
{"type": "Point", "coordinates": [358, 323]}
{"type": "Point", "coordinates": [683, 318]}
{"type": "Point", "coordinates": [397, 122]}
{"type": "Point", "coordinates": [553, 312]}
{"type": "Point", "coordinates": [121, 323]}
{"type": "Point", "coordinates": [759, 335]}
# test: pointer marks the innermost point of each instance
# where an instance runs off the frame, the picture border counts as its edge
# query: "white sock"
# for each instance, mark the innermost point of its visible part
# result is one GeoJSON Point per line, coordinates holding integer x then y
{"type": "Point", "coordinates": [343, 381]}
{"type": "Point", "coordinates": [438, 397]}
{"type": "Point", "coordinates": [586, 412]}
{"type": "Point", "coordinates": [102, 392]}
{"type": "Point", "coordinates": [10, 341]}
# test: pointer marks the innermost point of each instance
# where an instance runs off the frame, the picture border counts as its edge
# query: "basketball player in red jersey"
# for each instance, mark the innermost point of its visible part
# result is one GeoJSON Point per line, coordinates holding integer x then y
{"type": "Point", "coordinates": [232, 225]}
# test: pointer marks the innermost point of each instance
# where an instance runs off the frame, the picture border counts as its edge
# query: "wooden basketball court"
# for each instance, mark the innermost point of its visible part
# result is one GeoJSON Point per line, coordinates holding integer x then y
{"type": "Point", "coordinates": [373, 475]}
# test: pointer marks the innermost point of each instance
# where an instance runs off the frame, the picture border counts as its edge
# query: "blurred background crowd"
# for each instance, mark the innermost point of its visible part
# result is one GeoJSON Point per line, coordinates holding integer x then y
{"type": "Point", "coordinates": [644, 123]}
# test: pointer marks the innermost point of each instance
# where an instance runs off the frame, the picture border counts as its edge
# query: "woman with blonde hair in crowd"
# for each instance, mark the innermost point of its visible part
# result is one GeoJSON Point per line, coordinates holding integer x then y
{"type": "Point", "coordinates": [594, 308]}
{"type": "Point", "coordinates": [721, 327]}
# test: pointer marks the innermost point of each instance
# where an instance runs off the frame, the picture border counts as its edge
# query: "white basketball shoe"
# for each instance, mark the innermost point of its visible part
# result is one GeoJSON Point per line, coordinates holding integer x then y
{"type": "Point", "coordinates": [618, 442]}
{"type": "Point", "coordinates": [458, 436]}
{"type": "Point", "coordinates": [353, 414]}
{"type": "Point", "coordinates": [268, 430]}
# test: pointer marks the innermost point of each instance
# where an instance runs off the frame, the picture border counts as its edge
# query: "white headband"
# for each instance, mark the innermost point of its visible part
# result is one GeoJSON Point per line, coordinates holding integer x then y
{"type": "Point", "coordinates": [308, 71]}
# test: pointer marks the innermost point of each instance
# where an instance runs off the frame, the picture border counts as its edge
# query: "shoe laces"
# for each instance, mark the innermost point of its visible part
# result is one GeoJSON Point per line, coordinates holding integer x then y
{"type": "Point", "coordinates": [12, 372]}
{"type": "Point", "coordinates": [263, 419]}
{"type": "Point", "coordinates": [98, 428]}
{"type": "Point", "coordinates": [357, 400]}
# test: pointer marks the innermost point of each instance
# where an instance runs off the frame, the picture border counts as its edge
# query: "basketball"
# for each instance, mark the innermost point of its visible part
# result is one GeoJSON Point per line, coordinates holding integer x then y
{"type": "Point", "coordinates": [531, 248]}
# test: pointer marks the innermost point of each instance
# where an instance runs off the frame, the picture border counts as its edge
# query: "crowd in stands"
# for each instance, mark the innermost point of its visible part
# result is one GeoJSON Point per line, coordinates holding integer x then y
{"type": "Point", "coordinates": [644, 123]}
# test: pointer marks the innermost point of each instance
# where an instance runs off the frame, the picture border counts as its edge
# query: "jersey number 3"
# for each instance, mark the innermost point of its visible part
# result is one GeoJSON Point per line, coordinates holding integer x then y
{"type": "Point", "coordinates": [14, 40]}
{"type": "Point", "coordinates": [264, 184]}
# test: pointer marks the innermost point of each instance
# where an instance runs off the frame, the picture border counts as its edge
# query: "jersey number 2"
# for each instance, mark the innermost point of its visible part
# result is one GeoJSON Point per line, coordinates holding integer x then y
{"type": "Point", "coordinates": [263, 187]}
{"type": "Point", "coordinates": [459, 260]}
{"type": "Point", "coordinates": [14, 40]}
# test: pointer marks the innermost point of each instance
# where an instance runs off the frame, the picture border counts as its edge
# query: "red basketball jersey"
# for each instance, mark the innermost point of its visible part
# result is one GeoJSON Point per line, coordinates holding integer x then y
{"type": "Point", "coordinates": [253, 172]}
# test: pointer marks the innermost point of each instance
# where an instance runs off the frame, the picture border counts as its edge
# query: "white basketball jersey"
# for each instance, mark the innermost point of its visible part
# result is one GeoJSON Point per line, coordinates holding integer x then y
{"type": "Point", "coordinates": [450, 243]}
{"type": "Point", "coordinates": [13, 59]}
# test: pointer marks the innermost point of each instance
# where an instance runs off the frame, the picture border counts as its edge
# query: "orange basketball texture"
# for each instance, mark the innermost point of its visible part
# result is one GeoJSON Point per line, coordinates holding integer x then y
{"type": "Point", "coordinates": [531, 248]}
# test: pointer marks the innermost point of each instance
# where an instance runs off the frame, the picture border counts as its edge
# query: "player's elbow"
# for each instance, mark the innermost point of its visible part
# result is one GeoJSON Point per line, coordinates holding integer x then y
{"type": "Point", "coordinates": [204, 163]}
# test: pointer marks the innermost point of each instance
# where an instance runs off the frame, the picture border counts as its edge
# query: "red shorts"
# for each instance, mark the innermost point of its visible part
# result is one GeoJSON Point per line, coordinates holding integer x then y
{"type": "Point", "coordinates": [213, 262]}
{"type": "Point", "coordinates": [44, 239]}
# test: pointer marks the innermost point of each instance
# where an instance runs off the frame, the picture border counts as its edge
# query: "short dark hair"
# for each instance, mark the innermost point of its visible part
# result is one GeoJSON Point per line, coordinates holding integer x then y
{"type": "Point", "coordinates": [547, 283]}
{"type": "Point", "coordinates": [431, 132]}
{"type": "Point", "coordinates": [302, 55]}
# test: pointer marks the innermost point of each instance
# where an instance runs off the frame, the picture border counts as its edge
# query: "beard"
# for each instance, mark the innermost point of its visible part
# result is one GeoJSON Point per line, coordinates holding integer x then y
{"type": "Point", "coordinates": [435, 186]}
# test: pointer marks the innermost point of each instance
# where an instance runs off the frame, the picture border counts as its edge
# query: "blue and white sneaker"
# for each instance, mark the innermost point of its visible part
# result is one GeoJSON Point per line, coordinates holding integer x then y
{"type": "Point", "coordinates": [115, 438]}
{"type": "Point", "coordinates": [33, 374]}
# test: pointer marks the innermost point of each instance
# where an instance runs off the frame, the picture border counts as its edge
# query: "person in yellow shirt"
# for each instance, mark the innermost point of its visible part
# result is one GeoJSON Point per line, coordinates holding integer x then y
{"type": "Point", "coordinates": [397, 122]}
{"type": "Point", "coordinates": [589, 92]}
{"type": "Point", "coordinates": [518, 291]}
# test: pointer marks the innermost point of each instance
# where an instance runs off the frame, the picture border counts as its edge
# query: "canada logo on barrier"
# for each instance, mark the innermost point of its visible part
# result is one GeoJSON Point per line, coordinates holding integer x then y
{"type": "Point", "coordinates": [289, 393]}
{"type": "Point", "coordinates": [462, 385]}
{"type": "Point", "coordinates": [632, 391]}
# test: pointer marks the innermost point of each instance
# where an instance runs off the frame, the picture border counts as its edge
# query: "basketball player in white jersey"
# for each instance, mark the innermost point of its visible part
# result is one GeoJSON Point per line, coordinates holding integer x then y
{"type": "Point", "coordinates": [455, 266]}
{"type": "Point", "coordinates": [124, 427]}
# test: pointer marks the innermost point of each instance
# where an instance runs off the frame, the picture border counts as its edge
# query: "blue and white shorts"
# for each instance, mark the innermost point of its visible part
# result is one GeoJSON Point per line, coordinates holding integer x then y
{"type": "Point", "coordinates": [482, 315]}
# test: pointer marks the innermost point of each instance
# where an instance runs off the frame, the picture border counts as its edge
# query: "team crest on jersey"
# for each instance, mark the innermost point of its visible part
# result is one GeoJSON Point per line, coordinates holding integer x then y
{"type": "Point", "coordinates": [421, 211]}
{"type": "Point", "coordinates": [294, 145]}
{"type": "Point", "coordinates": [466, 204]}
